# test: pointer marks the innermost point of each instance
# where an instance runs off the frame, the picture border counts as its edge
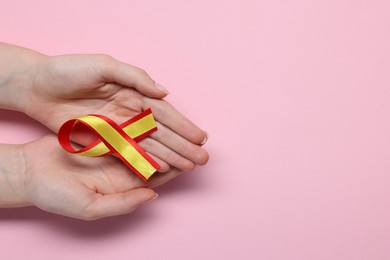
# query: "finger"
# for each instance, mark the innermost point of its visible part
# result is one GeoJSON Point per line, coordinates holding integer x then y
{"type": "Point", "coordinates": [180, 145]}
{"type": "Point", "coordinates": [118, 203]}
{"type": "Point", "coordinates": [164, 167]}
{"type": "Point", "coordinates": [165, 154]}
{"type": "Point", "coordinates": [170, 117]}
{"type": "Point", "coordinates": [131, 76]}
{"type": "Point", "coordinates": [159, 179]}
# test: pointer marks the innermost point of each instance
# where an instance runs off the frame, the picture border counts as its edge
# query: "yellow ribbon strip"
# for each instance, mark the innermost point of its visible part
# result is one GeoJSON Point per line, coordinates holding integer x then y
{"type": "Point", "coordinates": [119, 140]}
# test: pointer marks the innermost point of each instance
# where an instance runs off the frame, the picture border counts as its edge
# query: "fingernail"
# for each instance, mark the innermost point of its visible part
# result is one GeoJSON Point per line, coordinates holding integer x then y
{"type": "Point", "coordinates": [160, 87]}
{"type": "Point", "coordinates": [205, 139]}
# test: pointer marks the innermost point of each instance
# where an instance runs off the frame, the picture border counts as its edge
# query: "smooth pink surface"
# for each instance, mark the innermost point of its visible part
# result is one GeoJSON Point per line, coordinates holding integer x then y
{"type": "Point", "coordinates": [295, 96]}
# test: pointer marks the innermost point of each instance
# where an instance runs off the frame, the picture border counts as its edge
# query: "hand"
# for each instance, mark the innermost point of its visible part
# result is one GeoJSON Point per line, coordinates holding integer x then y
{"type": "Point", "coordinates": [82, 187]}
{"type": "Point", "coordinates": [55, 89]}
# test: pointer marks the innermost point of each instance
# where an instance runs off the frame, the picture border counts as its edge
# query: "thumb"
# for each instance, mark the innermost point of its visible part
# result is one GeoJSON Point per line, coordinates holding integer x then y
{"type": "Point", "coordinates": [131, 76]}
{"type": "Point", "coordinates": [119, 203]}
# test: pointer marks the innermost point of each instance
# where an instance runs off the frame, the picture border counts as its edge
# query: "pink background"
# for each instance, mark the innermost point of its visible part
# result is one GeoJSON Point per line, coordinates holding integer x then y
{"type": "Point", "coordinates": [295, 96]}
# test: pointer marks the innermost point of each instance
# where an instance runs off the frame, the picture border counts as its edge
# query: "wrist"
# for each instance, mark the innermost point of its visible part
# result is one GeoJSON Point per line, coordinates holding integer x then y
{"type": "Point", "coordinates": [13, 178]}
{"type": "Point", "coordinates": [18, 70]}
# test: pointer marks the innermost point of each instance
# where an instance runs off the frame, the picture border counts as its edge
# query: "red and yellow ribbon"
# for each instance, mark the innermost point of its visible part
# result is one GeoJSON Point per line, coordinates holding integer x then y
{"type": "Point", "coordinates": [120, 140]}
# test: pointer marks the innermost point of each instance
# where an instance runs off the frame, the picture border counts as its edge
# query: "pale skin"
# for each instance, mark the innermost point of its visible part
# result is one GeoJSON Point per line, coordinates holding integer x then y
{"type": "Point", "coordinates": [55, 89]}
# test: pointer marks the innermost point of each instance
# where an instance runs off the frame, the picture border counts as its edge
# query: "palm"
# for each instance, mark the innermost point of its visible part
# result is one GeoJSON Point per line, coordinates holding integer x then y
{"type": "Point", "coordinates": [79, 186]}
{"type": "Point", "coordinates": [74, 85]}
{"type": "Point", "coordinates": [120, 105]}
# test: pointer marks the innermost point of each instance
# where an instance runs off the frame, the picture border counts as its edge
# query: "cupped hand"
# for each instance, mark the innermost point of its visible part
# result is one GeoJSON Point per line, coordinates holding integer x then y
{"type": "Point", "coordinates": [83, 187]}
{"type": "Point", "coordinates": [70, 86]}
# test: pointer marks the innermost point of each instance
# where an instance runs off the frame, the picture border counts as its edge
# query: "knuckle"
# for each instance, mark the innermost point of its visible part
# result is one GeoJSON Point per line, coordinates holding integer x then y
{"type": "Point", "coordinates": [104, 62]}
{"type": "Point", "coordinates": [188, 166]}
{"type": "Point", "coordinates": [105, 57]}
{"type": "Point", "coordinates": [145, 144]}
{"type": "Point", "coordinates": [160, 134]}
{"type": "Point", "coordinates": [191, 167]}
{"type": "Point", "coordinates": [142, 72]}
{"type": "Point", "coordinates": [144, 77]}
{"type": "Point", "coordinates": [164, 167]}
{"type": "Point", "coordinates": [178, 161]}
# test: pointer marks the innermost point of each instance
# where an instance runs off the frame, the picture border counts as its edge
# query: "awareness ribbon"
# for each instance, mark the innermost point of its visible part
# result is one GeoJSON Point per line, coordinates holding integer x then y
{"type": "Point", "coordinates": [120, 140]}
